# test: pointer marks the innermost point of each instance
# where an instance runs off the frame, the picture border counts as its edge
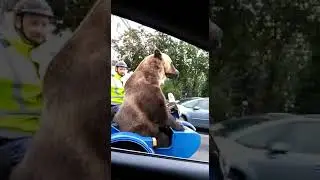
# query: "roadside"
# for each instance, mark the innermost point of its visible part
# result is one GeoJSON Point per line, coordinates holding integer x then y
{"type": "Point", "coordinates": [203, 152]}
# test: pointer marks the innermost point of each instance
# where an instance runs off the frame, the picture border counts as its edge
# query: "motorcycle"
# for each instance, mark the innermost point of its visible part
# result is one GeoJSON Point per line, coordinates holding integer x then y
{"type": "Point", "coordinates": [183, 144]}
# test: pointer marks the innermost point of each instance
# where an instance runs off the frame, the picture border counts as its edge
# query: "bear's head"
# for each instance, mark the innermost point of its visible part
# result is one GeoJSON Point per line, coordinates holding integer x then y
{"type": "Point", "coordinates": [158, 64]}
{"type": "Point", "coordinates": [168, 68]}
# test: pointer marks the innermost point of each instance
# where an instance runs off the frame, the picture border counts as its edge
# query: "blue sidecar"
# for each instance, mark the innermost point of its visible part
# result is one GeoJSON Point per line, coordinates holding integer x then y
{"type": "Point", "coordinates": [183, 143]}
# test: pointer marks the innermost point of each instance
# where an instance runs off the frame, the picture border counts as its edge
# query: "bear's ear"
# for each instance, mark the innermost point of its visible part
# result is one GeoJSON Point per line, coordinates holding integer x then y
{"type": "Point", "coordinates": [157, 54]}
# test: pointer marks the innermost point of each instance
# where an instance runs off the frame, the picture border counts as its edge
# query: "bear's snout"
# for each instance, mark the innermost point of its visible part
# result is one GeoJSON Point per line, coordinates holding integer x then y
{"type": "Point", "coordinates": [173, 74]}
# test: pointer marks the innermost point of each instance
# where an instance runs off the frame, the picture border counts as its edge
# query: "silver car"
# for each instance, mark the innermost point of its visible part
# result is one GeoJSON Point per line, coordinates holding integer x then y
{"type": "Point", "coordinates": [196, 111]}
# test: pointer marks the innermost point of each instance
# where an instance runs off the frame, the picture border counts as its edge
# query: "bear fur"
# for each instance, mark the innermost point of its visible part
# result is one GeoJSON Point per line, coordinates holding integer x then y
{"type": "Point", "coordinates": [144, 108]}
{"type": "Point", "coordinates": [72, 142]}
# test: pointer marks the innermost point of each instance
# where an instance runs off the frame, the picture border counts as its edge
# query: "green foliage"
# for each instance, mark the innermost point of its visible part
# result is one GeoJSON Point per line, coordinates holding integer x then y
{"type": "Point", "coordinates": [135, 44]}
{"type": "Point", "coordinates": [270, 56]}
{"type": "Point", "coordinates": [268, 47]}
{"type": "Point", "coordinates": [71, 12]}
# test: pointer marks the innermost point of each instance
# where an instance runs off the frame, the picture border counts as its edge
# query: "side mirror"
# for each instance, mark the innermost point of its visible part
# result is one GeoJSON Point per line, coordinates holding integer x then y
{"type": "Point", "coordinates": [196, 108]}
{"type": "Point", "coordinates": [279, 148]}
{"type": "Point", "coordinates": [171, 98]}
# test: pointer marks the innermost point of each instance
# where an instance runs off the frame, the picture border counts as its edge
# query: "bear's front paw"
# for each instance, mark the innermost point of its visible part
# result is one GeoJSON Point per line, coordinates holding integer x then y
{"type": "Point", "coordinates": [178, 127]}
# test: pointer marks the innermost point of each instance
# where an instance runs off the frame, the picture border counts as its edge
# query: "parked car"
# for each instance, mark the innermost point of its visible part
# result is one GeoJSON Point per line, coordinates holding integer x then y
{"type": "Point", "coordinates": [279, 149]}
{"type": "Point", "coordinates": [196, 111]}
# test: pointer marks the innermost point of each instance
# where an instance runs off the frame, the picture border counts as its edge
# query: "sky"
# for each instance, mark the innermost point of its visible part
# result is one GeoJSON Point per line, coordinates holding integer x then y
{"type": "Point", "coordinates": [119, 26]}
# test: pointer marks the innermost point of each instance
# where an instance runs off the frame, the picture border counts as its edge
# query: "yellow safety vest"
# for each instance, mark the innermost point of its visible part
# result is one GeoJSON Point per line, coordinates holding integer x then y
{"type": "Point", "coordinates": [117, 89]}
{"type": "Point", "coordinates": [20, 89]}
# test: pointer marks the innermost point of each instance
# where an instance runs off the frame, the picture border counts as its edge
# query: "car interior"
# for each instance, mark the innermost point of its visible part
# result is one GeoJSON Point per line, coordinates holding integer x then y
{"type": "Point", "coordinates": [179, 20]}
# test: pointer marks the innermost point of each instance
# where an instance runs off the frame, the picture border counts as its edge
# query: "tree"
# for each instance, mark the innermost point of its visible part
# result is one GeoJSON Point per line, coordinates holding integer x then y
{"type": "Point", "coordinates": [69, 13]}
{"type": "Point", "coordinates": [135, 44]}
{"type": "Point", "coordinates": [266, 47]}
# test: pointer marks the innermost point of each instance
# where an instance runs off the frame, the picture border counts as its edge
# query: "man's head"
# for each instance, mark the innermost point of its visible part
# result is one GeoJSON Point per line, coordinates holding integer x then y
{"type": "Point", "coordinates": [32, 20]}
{"type": "Point", "coordinates": [121, 68]}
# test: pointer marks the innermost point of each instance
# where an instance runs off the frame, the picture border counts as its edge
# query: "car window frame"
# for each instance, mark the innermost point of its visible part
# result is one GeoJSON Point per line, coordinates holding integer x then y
{"type": "Point", "coordinates": [129, 158]}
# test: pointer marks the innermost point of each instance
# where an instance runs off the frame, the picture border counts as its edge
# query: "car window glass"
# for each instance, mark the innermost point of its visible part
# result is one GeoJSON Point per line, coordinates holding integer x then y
{"type": "Point", "coordinates": [301, 137]}
{"type": "Point", "coordinates": [128, 37]}
{"type": "Point", "coordinates": [261, 137]}
{"type": "Point", "coordinates": [204, 104]}
{"type": "Point", "coordinates": [190, 104]}
{"type": "Point", "coordinates": [185, 100]}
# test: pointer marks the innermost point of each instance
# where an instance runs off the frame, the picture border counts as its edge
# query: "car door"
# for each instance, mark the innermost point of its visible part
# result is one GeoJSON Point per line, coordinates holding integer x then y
{"type": "Point", "coordinates": [300, 161]}
{"type": "Point", "coordinates": [200, 113]}
{"type": "Point", "coordinates": [188, 111]}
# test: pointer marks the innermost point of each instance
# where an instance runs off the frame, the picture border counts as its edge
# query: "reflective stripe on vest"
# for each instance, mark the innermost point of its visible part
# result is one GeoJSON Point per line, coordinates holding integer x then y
{"type": "Point", "coordinates": [20, 88]}
{"type": "Point", "coordinates": [117, 90]}
{"type": "Point", "coordinates": [20, 123]}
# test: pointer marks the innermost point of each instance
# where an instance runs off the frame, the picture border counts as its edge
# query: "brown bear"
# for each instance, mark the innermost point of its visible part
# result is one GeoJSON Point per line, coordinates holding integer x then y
{"type": "Point", "coordinates": [72, 142]}
{"type": "Point", "coordinates": [144, 108]}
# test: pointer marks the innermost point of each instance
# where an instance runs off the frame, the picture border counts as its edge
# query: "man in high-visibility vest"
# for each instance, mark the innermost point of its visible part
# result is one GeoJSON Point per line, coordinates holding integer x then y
{"type": "Point", "coordinates": [117, 86]}
{"type": "Point", "coordinates": [117, 83]}
{"type": "Point", "coordinates": [20, 81]}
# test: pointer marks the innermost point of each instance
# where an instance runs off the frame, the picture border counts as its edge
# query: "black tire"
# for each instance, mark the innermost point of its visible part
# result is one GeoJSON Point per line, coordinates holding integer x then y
{"type": "Point", "coordinates": [236, 175]}
{"type": "Point", "coordinates": [128, 146]}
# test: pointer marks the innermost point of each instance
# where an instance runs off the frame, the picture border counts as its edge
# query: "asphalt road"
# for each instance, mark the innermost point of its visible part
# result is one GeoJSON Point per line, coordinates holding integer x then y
{"type": "Point", "coordinates": [203, 152]}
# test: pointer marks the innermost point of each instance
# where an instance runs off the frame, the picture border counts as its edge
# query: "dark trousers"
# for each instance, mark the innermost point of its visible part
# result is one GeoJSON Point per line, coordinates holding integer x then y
{"type": "Point", "coordinates": [115, 108]}
{"type": "Point", "coordinates": [11, 153]}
